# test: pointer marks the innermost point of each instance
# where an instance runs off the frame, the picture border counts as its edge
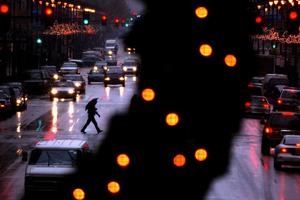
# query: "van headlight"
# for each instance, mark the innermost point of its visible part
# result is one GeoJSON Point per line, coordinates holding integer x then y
{"type": "Point", "coordinates": [54, 91]}
{"type": "Point", "coordinates": [125, 69]}
{"type": "Point", "coordinates": [71, 91]}
{"type": "Point", "coordinates": [77, 84]}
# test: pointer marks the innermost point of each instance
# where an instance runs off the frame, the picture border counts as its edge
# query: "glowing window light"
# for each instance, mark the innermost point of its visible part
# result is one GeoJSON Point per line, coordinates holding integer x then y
{"type": "Point", "coordinates": [230, 60]}
{"type": "Point", "coordinates": [205, 50]}
{"type": "Point", "coordinates": [148, 94]}
{"type": "Point", "coordinates": [172, 119]}
{"type": "Point", "coordinates": [123, 160]}
{"type": "Point", "coordinates": [179, 160]}
{"type": "Point", "coordinates": [113, 187]}
{"type": "Point", "coordinates": [201, 154]}
{"type": "Point", "coordinates": [78, 194]}
{"type": "Point", "coordinates": [201, 12]}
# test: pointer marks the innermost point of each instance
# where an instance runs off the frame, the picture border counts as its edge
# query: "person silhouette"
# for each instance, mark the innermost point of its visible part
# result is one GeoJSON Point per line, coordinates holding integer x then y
{"type": "Point", "coordinates": [92, 111]}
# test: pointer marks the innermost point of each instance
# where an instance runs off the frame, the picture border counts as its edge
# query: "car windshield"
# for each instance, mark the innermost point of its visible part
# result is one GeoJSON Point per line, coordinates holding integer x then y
{"type": "Point", "coordinates": [69, 64]}
{"type": "Point", "coordinates": [292, 140]}
{"type": "Point", "coordinates": [258, 100]}
{"type": "Point", "coordinates": [73, 78]}
{"type": "Point", "coordinates": [116, 70]}
{"type": "Point", "coordinates": [291, 94]}
{"type": "Point", "coordinates": [96, 71]}
{"type": "Point", "coordinates": [64, 84]}
{"type": "Point", "coordinates": [129, 63]}
{"type": "Point", "coordinates": [54, 157]}
{"type": "Point", "coordinates": [254, 91]}
{"type": "Point", "coordinates": [34, 75]}
{"type": "Point", "coordinates": [288, 121]}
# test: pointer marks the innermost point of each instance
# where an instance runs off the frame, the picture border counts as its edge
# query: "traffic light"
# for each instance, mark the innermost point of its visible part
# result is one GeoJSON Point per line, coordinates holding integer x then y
{"type": "Point", "coordinates": [39, 40]}
{"type": "Point", "coordinates": [48, 15]}
{"type": "Point", "coordinates": [85, 18]}
{"type": "Point", "coordinates": [104, 20]}
{"type": "Point", "coordinates": [258, 26]}
{"type": "Point", "coordinates": [117, 22]}
{"type": "Point", "coordinates": [5, 17]}
{"type": "Point", "coordinates": [293, 22]}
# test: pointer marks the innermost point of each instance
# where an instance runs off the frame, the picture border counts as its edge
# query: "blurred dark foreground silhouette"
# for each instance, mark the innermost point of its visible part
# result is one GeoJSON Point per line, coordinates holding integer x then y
{"type": "Point", "coordinates": [203, 91]}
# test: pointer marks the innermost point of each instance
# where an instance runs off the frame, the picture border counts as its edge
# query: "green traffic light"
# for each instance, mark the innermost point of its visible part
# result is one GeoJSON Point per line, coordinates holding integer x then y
{"type": "Point", "coordinates": [85, 21]}
{"type": "Point", "coordinates": [39, 41]}
{"type": "Point", "coordinates": [273, 46]}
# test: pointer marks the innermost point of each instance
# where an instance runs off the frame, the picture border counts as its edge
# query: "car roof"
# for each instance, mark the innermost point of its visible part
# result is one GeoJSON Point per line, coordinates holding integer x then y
{"type": "Point", "coordinates": [292, 136]}
{"type": "Point", "coordinates": [61, 144]}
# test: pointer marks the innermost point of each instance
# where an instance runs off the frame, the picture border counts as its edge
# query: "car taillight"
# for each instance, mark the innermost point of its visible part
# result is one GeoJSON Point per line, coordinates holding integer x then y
{"type": "Point", "coordinates": [266, 106]}
{"type": "Point", "coordinates": [268, 130]}
{"type": "Point", "coordinates": [247, 104]}
{"type": "Point", "coordinates": [279, 101]}
{"type": "Point", "coordinates": [283, 150]}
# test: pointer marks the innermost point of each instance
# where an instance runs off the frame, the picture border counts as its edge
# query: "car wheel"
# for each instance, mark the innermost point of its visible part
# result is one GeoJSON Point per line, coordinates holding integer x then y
{"type": "Point", "coordinates": [265, 146]}
{"type": "Point", "coordinates": [277, 165]}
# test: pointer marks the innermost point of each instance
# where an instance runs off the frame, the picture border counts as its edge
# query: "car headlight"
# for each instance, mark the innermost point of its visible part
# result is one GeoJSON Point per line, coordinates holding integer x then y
{"type": "Point", "coordinates": [105, 68]}
{"type": "Point", "coordinates": [121, 78]}
{"type": "Point", "coordinates": [134, 68]}
{"type": "Point", "coordinates": [107, 79]}
{"type": "Point", "coordinates": [18, 101]}
{"type": "Point", "coordinates": [54, 91]}
{"type": "Point", "coordinates": [125, 69]}
{"type": "Point", "coordinates": [71, 91]}
{"type": "Point", "coordinates": [77, 84]}
{"type": "Point", "coordinates": [110, 52]}
{"type": "Point", "coordinates": [55, 76]}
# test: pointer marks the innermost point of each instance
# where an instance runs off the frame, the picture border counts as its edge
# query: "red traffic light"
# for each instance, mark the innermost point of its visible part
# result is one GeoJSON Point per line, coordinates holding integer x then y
{"type": "Point", "coordinates": [48, 11]}
{"type": "Point", "coordinates": [258, 20]}
{"type": "Point", "coordinates": [103, 17]}
{"type": "Point", "coordinates": [4, 8]}
{"type": "Point", "coordinates": [293, 15]}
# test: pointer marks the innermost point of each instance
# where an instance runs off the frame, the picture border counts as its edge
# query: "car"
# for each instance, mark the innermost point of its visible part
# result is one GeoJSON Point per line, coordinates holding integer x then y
{"type": "Point", "coordinates": [114, 75]}
{"type": "Point", "coordinates": [49, 162]}
{"type": "Point", "coordinates": [79, 62]}
{"type": "Point", "coordinates": [111, 45]}
{"type": "Point", "coordinates": [69, 68]}
{"type": "Point", "coordinates": [257, 105]}
{"type": "Point", "coordinates": [78, 81]}
{"type": "Point", "coordinates": [289, 100]}
{"type": "Point", "coordinates": [96, 74]}
{"type": "Point", "coordinates": [51, 72]}
{"type": "Point", "coordinates": [255, 90]}
{"type": "Point", "coordinates": [63, 89]}
{"type": "Point", "coordinates": [35, 81]}
{"type": "Point", "coordinates": [287, 152]}
{"type": "Point", "coordinates": [10, 93]}
{"type": "Point", "coordinates": [130, 66]}
{"type": "Point", "coordinates": [257, 80]}
{"type": "Point", "coordinates": [22, 91]}
{"type": "Point", "coordinates": [5, 104]}
{"type": "Point", "coordinates": [90, 61]}
{"type": "Point", "coordinates": [277, 125]}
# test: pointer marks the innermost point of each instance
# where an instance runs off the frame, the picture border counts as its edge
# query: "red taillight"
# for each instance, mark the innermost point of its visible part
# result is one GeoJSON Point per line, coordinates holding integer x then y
{"type": "Point", "coordinates": [247, 104]}
{"type": "Point", "coordinates": [279, 101]}
{"type": "Point", "coordinates": [267, 106]}
{"type": "Point", "coordinates": [250, 85]}
{"type": "Point", "coordinates": [268, 130]}
{"type": "Point", "coordinates": [283, 150]}
{"type": "Point", "coordinates": [288, 114]}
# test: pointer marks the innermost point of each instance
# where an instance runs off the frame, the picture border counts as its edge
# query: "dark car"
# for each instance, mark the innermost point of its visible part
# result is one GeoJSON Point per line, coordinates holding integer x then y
{"type": "Point", "coordinates": [114, 75]}
{"type": "Point", "coordinates": [289, 100]}
{"type": "Point", "coordinates": [19, 86]}
{"type": "Point", "coordinates": [63, 89]}
{"type": "Point", "coordinates": [90, 61]}
{"type": "Point", "coordinates": [287, 152]}
{"type": "Point", "coordinates": [278, 125]}
{"type": "Point", "coordinates": [36, 82]}
{"type": "Point", "coordinates": [78, 81]}
{"type": "Point", "coordinates": [257, 105]}
{"type": "Point", "coordinates": [96, 74]}
{"type": "Point", "coordinates": [5, 104]}
{"type": "Point", "coordinates": [9, 91]}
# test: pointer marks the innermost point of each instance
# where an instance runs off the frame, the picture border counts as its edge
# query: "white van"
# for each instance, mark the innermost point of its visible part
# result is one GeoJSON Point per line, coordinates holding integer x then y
{"type": "Point", "coordinates": [50, 161]}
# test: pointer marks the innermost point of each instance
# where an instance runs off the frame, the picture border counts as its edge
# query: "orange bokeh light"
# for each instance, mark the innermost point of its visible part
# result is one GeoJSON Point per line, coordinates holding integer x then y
{"type": "Point", "coordinates": [172, 119]}
{"type": "Point", "coordinates": [201, 12]}
{"type": "Point", "coordinates": [179, 160]}
{"type": "Point", "coordinates": [4, 9]}
{"type": "Point", "coordinates": [205, 50]}
{"type": "Point", "coordinates": [123, 160]}
{"type": "Point", "coordinates": [78, 194]}
{"type": "Point", "coordinates": [113, 187]}
{"type": "Point", "coordinates": [293, 15]}
{"type": "Point", "coordinates": [148, 94]}
{"type": "Point", "coordinates": [230, 60]}
{"type": "Point", "coordinates": [201, 154]}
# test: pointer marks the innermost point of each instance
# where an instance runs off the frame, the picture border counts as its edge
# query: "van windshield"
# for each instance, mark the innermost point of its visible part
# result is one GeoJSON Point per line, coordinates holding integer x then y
{"type": "Point", "coordinates": [54, 157]}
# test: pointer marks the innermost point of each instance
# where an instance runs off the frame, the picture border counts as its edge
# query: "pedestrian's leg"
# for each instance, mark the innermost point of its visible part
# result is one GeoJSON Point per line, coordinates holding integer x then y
{"type": "Point", "coordinates": [88, 121]}
{"type": "Point", "coordinates": [96, 125]}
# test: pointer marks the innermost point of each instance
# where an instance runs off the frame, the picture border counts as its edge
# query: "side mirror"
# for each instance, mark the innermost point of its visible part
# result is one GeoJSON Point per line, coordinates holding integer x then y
{"type": "Point", "coordinates": [24, 156]}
